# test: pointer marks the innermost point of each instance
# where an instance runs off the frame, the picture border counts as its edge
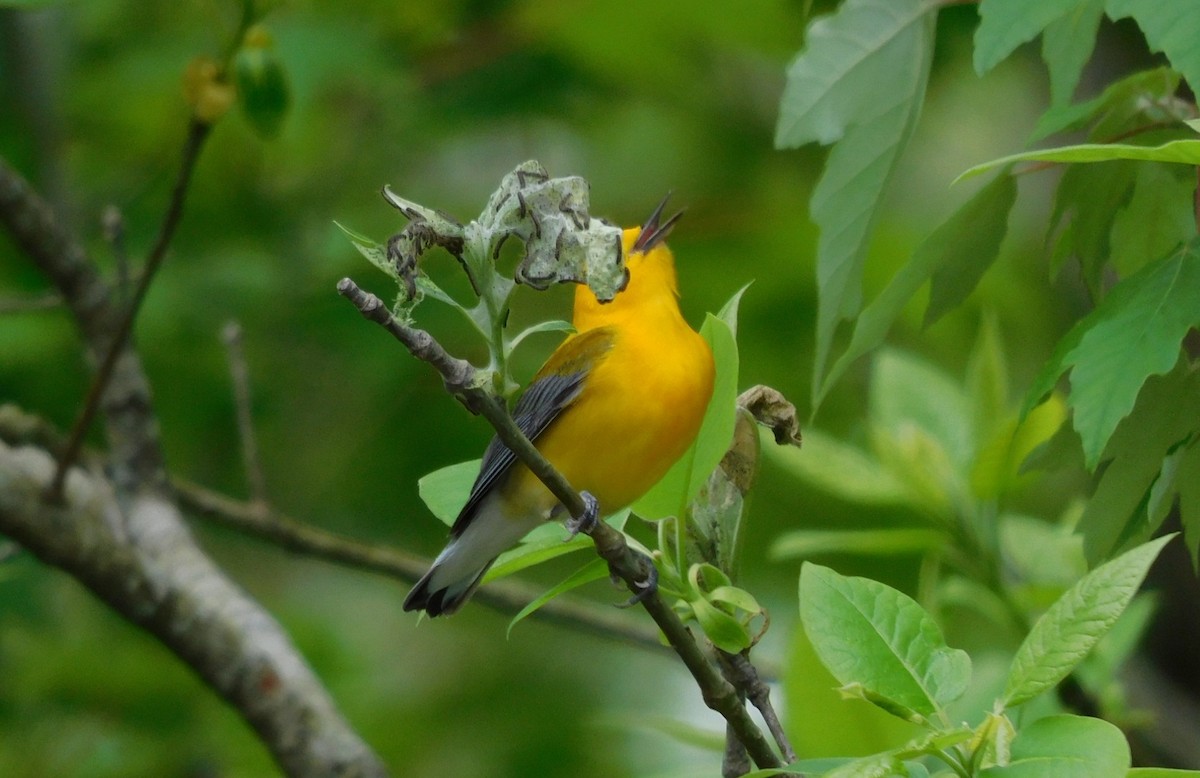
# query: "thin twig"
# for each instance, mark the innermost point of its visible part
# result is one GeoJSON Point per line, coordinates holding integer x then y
{"type": "Point", "coordinates": [197, 132]}
{"type": "Point", "coordinates": [462, 380]}
{"type": "Point", "coordinates": [239, 374]}
{"type": "Point", "coordinates": [507, 596]}
{"type": "Point", "coordinates": [742, 673]}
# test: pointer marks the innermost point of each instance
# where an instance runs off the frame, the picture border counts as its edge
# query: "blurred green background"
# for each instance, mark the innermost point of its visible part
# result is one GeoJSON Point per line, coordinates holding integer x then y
{"type": "Point", "coordinates": [439, 100]}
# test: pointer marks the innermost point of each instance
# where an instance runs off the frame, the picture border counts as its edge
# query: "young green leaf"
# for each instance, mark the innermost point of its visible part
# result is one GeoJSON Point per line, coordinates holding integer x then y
{"type": "Point", "coordinates": [840, 469]}
{"type": "Point", "coordinates": [594, 570]}
{"type": "Point", "coordinates": [1184, 152]}
{"type": "Point", "coordinates": [1159, 216]}
{"type": "Point", "coordinates": [880, 644]}
{"type": "Point", "coordinates": [445, 491]}
{"type": "Point", "coordinates": [1137, 99]}
{"type": "Point", "coordinates": [1065, 633]}
{"type": "Point", "coordinates": [1161, 772]}
{"type": "Point", "coordinates": [1066, 747]}
{"type": "Point", "coordinates": [861, 80]}
{"type": "Point", "coordinates": [1006, 24]}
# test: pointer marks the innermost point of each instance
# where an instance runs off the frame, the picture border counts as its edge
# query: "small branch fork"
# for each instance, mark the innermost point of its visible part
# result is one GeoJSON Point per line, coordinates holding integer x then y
{"type": "Point", "coordinates": [462, 381]}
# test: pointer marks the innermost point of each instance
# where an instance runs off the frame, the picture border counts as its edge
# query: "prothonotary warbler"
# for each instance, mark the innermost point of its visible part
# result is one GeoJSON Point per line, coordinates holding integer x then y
{"type": "Point", "coordinates": [612, 409]}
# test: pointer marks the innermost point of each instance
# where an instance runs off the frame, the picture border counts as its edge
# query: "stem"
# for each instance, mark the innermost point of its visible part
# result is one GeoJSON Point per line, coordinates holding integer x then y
{"type": "Point", "coordinates": [197, 132]}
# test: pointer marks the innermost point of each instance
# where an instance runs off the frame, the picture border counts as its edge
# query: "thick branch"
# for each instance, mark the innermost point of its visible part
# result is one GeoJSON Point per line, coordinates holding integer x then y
{"type": "Point", "coordinates": [718, 693]}
{"type": "Point", "coordinates": [139, 559]}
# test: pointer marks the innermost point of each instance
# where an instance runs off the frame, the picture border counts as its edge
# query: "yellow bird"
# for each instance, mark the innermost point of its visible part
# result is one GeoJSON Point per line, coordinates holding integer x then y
{"type": "Point", "coordinates": [612, 409]}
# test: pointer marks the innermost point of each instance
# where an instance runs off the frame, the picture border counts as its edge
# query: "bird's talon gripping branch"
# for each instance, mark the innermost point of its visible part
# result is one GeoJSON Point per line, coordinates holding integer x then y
{"type": "Point", "coordinates": [585, 522]}
{"type": "Point", "coordinates": [645, 587]}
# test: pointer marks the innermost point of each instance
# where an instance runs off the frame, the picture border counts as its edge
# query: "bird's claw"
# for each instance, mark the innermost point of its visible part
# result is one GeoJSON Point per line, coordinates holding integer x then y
{"type": "Point", "coordinates": [643, 588]}
{"type": "Point", "coordinates": [586, 522]}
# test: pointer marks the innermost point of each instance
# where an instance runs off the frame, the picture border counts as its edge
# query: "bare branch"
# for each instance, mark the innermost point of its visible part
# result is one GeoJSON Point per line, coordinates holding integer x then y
{"type": "Point", "coordinates": [42, 302]}
{"type": "Point", "coordinates": [139, 558]}
{"type": "Point", "coordinates": [628, 564]}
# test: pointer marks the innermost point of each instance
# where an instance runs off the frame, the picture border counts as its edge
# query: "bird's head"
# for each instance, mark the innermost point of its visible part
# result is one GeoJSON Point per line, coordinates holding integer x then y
{"type": "Point", "coordinates": [650, 269]}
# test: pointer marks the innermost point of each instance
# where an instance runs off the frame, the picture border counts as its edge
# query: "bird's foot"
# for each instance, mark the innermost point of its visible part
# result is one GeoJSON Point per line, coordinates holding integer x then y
{"type": "Point", "coordinates": [643, 588]}
{"type": "Point", "coordinates": [586, 522]}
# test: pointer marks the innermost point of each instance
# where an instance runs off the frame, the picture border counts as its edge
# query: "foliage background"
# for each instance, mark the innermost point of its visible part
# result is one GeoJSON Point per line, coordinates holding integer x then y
{"type": "Point", "coordinates": [439, 99]}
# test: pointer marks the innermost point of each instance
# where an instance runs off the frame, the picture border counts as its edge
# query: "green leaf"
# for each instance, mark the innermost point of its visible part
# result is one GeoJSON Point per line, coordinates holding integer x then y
{"type": "Point", "coordinates": [861, 80]}
{"type": "Point", "coordinates": [880, 643]}
{"type": "Point", "coordinates": [729, 311]}
{"type": "Point", "coordinates": [1086, 199]}
{"type": "Point", "coordinates": [1170, 26]}
{"type": "Point", "coordinates": [445, 491]}
{"type": "Point", "coordinates": [972, 245]}
{"type": "Point", "coordinates": [1161, 772]}
{"type": "Point", "coordinates": [1065, 633]}
{"type": "Point", "coordinates": [592, 571]}
{"type": "Point", "coordinates": [1066, 747]}
{"type": "Point", "coordinates": [807, 543]}
{"type": "Point", "coordinates": [541, 546]}
{"type": "Point", "coordinates": [1159, 216]}
{"type": "Point", "coordinates": [670, 496]}
{"type": "Point", "coordinates": [640, 720]}
{"type": "Point", "coordinates": [1006, 24]}
{"type": "Point", "coordinates": [725, 631]}
{"type": "Point", "coordinates": [553, 325]}
{"type": "Point", "coordinates": [970, 239]}
{"type": "Point", "coordinates": [1067, 44]}
{"type": "Point", "coordinates": [1189, 501]}
{"type": "Point", "coordinates": [1185, 152]}
{"type": "Point", "coordinates": [1167, 413]}
{"type": "Point", "coordinates": [1134, 333]}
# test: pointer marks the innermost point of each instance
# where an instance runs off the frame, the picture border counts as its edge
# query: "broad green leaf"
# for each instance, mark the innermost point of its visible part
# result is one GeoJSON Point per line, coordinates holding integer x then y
{"type": "Point", "coordinates": [1167, 413]}
{"type": "Point", "coordinates": [840, 469]}
{"type": "Point", "coordinates": [594, 570]}
{"type": "Point", "coordinates": [1006, 24]}
{"type": "Point", "coordinates": [1170, 26]}
{"type": "Point", "coordinates": [1159, 216]}
{"type": "Point", "coordinates": [807, 543]}
{"type": "Point", "coordinates": [1065, 633]}
{"type": "Point", "coordinates": [1066, 747]}
{"type": "Point", "coordinates": [1067, 44]}
{"type": "Point", "coordinates": [972, 235]}
{"type": "Point", "coordinates": [445, 491]}
{"type": "Point", "coordinates": [827, 724]}
{"type": "Point", "coordinates": [860, 80]}
{"type": "Point", "coordinates": [1133, 334]}
{"type": "Point", "coordinates": [880, 644]}
{"type": "Point", "coordinates": [1184, 152]}
{"type": "Point", "coordinates": [1161, 772]}
{"type": "Point", "coordinates": [670, 496]}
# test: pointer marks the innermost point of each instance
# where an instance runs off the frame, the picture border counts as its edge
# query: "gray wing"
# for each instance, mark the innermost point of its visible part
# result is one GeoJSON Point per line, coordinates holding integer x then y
{"type": "Point", "coordinates": [557, 385]}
